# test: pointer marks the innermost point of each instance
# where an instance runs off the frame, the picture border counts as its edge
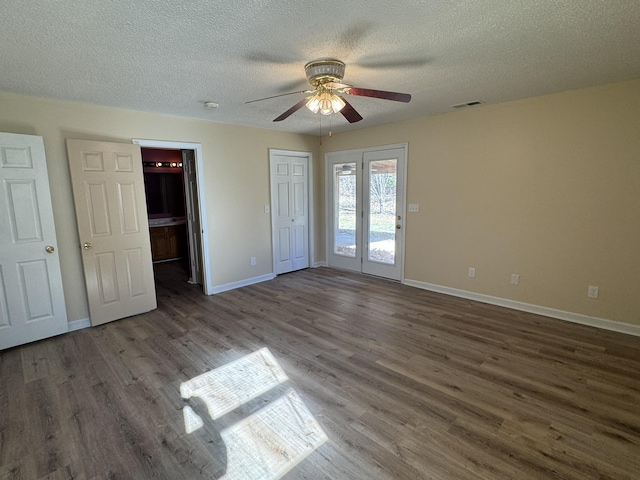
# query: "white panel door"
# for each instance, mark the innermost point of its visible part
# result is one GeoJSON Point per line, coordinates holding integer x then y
{"type": "Point", "coordinates": [31, 297]}
{"type": "Point", "coordinates": [111, 212]}
{"type": "Point", "coordinates": [290, 204]}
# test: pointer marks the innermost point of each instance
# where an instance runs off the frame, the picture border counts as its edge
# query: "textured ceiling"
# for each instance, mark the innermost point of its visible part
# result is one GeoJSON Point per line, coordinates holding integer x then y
{"type": "Point", "coordinates": [171, 56]}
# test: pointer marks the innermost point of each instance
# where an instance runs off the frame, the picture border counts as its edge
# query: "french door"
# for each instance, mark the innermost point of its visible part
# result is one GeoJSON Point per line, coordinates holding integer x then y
{"type": "Point", "coordinates": [366, 192]}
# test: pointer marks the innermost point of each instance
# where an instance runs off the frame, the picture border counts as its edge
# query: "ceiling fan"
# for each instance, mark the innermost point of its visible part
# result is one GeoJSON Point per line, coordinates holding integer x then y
{"type": "Point", "coordinates": [326, 77]}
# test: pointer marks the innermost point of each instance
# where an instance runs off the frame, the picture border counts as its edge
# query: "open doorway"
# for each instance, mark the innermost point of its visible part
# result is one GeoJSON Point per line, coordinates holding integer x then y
{"type": "Point", "coordinates": [167, 208]}
{"type": "Point", "coordinates": [175, 208]}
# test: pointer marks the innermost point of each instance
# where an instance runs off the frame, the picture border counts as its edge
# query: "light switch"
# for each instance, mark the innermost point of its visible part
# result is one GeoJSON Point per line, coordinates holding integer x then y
{"type": "Point", "coordinates": [267, 209]}
{"type": "Point", "coordinates": [414, 207]}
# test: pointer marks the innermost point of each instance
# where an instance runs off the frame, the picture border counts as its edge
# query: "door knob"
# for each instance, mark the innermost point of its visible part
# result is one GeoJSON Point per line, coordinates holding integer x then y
{"type": "Point", "coordinates": [87, 246]}
{"type": "Point", "coordinates": [50, 249]}
{"type": "Point", "coordinates": [398, 227]}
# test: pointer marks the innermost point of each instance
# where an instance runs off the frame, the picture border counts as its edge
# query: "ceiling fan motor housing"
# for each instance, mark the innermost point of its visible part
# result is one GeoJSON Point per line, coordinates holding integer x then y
{"type": "Point", "coordinates": [324, 71]}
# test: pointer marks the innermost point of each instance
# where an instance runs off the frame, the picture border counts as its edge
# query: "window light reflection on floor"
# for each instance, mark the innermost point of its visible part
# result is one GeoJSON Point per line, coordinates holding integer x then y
{"type": "Point", "coordinates": [271, 441]}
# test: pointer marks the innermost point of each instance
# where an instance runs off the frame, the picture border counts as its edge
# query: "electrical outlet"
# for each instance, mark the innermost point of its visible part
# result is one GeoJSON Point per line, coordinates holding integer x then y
{"type": "Point", "coordinates": [515, 279]}
{"type": "Point", "coordinates": [472, 272]}
{"type": "Point", "coordinates": [592, 292]}
{"type": "Point", "coordinates": [253, 260]}
{"type": "Point", "coordinates": [414, 207]}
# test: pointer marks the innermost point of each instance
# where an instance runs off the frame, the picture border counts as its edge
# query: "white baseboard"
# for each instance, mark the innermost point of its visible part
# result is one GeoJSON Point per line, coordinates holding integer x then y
{"type": "Point", "coordinates": [242, 283]}
{"type": "Point", "coordinates": [602, 323]}
{"type": "Point", "coordinates": [319, 264]}
{"type": "Point", "coordinates": [79, 324]}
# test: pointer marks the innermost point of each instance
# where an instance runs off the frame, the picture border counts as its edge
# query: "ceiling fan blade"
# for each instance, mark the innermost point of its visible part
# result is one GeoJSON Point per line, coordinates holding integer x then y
{"type": "Point", "coordinates": [281, 95]}
{"type": "Point", "coordinates": [350, 113]}
{"type": "Point", "coordinates": [292, 110]}
{"type": "Point", "coordinates": [366, 92]}
{"type": "Point", "coordinates": [336, 86]}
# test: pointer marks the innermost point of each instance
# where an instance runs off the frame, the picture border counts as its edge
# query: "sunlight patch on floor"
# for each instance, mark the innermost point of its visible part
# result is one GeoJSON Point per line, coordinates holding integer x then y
{"type": "Point", "coordinates": [272, 441]}
{"type": "Point", "coordinates": [192, 421]}
{"type": "Point", "coordinates": [226, 388]}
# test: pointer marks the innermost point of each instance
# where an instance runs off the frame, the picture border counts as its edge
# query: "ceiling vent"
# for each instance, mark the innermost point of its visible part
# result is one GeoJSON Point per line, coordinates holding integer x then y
{"type": "Point", "coordinates": [468, 104]}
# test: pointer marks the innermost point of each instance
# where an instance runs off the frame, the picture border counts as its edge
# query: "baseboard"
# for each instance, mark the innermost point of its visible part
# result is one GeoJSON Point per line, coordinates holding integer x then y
{"type": "Point", "coordinates": [242, 283]}
{"type": "Point", "coordinates": [319, 264]}
{"type": "Point", "coordinates": [79, 324]}
{"type": "Point", "coordinates": [602, 323]}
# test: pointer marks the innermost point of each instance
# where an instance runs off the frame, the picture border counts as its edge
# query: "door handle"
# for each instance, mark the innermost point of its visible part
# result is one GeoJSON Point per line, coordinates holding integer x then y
{"type": "Point", "coordinates": [87, 246]}
{"type": "Point", "coordinates": [50, 249]}
{"type": "Point", "coordinates": [398, 227]}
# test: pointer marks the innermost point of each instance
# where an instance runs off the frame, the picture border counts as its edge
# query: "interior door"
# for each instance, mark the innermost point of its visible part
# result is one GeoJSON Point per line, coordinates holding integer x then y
{"type": "Point", "coordinates": [31, 296]}
{"type": "Point", "coordinates": [111, 212]}
{"type": "Point", "coordinates": [193, 216]}
{"type": "Point", "coordinates": [366, 210]}
{"type": "Point", "coordinates": [290, 204]}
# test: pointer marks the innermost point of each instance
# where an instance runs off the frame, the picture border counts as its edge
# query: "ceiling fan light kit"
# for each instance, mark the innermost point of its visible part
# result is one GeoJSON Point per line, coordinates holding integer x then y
{"type": "Point", "coordinates": [326, 76]}
{"type": "Point", "coordinates": [326, 102]}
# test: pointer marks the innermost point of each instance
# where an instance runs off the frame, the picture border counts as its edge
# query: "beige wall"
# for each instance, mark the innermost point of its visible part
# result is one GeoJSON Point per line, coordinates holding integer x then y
{"type": "Point", "coordinates": [236, 175]}
{"type": "Point", "coordinates": [548, 188]}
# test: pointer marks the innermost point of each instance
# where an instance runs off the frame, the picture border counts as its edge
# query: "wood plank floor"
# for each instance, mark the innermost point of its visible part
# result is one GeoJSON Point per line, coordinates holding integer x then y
{"type": "Point", "coordinates": [407, 384]}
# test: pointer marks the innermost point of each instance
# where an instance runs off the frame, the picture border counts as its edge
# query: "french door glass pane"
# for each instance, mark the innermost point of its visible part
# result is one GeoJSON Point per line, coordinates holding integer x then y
{"type": "Point", "coordinates": [382, 211]}
{"type": "Point", "coordinates": [344, 178]}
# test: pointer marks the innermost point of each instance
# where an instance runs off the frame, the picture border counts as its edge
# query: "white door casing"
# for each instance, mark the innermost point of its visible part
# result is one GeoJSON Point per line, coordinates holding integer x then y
{"type": "Point", "coordinates": [111, 213]}
{"type": "Point", "coordinates": [200, 191]}
{"type": "Point", "coordinates": [354, 249]}
{"type": "Point", "coordinates": [290, 211]}
{"type": "Point", "coordinates": [193, 217]}
{"type": "Point", "coordinates": [31, 296]}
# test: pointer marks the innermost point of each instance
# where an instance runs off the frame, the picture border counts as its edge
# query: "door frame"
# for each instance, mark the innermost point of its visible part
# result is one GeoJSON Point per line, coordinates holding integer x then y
{"type": "Point", "coordinates": [207, 287]}
{"type": "Point", "coordinates": [359, 152]}
{"type": "Point", "coordinates": [310, 217]}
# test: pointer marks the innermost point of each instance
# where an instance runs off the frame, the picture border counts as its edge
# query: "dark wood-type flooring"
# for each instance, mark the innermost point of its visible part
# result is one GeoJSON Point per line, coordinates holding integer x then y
{"type": "Point", "coordinates": [406, 383]}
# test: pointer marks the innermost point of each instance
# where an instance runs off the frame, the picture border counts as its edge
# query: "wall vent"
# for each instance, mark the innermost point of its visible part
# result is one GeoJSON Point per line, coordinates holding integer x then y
{"type": "Point", "coordinates": [468, 104]}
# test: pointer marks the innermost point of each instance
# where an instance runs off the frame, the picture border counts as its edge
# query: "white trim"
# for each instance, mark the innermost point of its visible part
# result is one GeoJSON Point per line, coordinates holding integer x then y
{"type": "Point", "coordinates": [202, 205]}
{"type": "Point", "coordinates": [79, 324]}
{"type": "Point", "coordinates": [242, 283]}
{"type": "Point", "coordinates": [602, 323]}
{"type": "Point", "coordinates": [310, 205]}
{"type": "Point", "coordinates": [319, 264]}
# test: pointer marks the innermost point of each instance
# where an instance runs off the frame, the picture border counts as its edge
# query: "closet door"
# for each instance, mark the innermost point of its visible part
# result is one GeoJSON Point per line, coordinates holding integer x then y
{"type": "Point", "coordinates": [31, 298]}
{"type": "Point", "coordinates": [290, 212]}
